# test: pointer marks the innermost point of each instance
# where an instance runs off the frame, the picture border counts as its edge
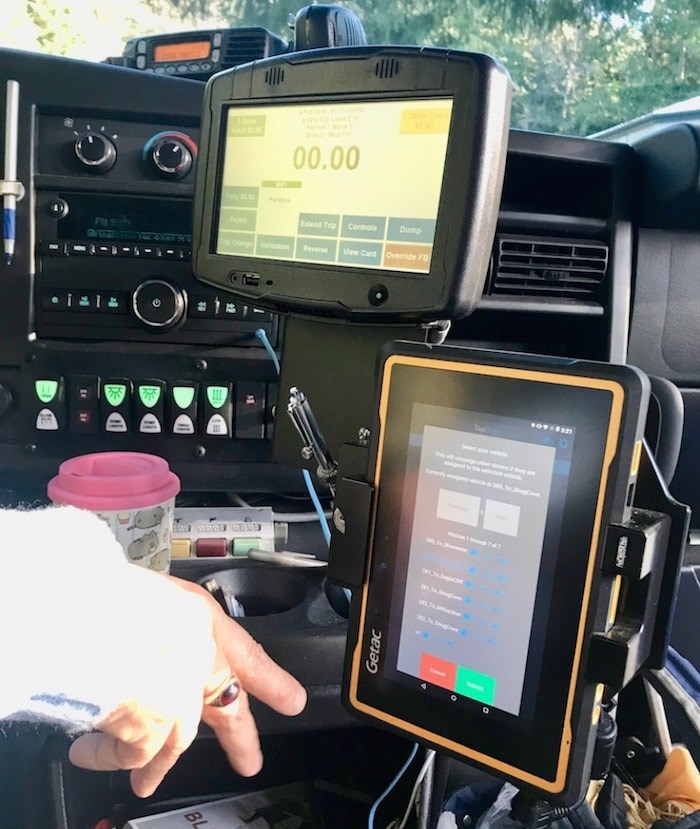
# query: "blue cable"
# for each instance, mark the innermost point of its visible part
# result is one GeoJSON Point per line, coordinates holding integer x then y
{"type": "Point", "coordinates": [261, 334]}
{"type": "Point", "coordinates": [399, 775]}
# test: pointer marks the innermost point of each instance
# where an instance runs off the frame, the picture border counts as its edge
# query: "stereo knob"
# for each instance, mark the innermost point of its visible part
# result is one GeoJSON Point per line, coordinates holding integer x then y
{"type": "Point", "coordinates": [95, 152]}
{"type": "Point", "coordinates": [171, 154]}
{"type": "Point", "coordinates": [158, 304]}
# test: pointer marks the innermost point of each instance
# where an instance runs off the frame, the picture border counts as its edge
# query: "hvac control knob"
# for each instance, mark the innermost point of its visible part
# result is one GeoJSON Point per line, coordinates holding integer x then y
{"type": "Point", "coordinates": [158, 304]}
{"type": "Point", "coordinates": [171, 154]}
{"type": "Point", "coordinates": [95, 152]}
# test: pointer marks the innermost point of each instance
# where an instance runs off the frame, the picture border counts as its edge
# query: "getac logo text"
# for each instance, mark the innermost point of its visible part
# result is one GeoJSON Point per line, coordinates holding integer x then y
{"type": "Point", "coordinates": [375, 646]}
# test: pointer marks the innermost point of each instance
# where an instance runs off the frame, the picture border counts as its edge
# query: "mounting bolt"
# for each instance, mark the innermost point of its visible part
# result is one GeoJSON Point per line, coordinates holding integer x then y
{"type": "Point", "coordinates": [199, 451]}
{"type": "Point", "coordinates": [201, 365]}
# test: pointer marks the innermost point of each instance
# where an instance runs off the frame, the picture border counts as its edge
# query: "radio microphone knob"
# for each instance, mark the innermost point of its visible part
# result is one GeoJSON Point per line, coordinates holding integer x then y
{"type": "Point", "coordinates": [158, 304]}
{"type": "Point", "coordinates": [95, 152]}
{"type": "Point", "coordinates": [172, 154]}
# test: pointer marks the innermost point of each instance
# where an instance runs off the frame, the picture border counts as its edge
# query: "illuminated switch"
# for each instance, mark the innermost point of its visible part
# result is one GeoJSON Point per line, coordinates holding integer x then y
{"type": "Point", "coordinates": [218, 410]}
{"type": "Point", "coordinates": [50, 397]}
{"type": "Point", "coordinates": [83, 404]}
{"type": "Point", "coordinates": [149, 406]}
{"type": "Point", "coordinates": [242, 546]}
{"type": "Point", "coordinates": [211, 547]}
{"type": "Point", "coordinates": [115, 403]}
{"type": "Point", "coordinates": [250, 410]}
{"type": "Point", "coordinates": [183, 408]}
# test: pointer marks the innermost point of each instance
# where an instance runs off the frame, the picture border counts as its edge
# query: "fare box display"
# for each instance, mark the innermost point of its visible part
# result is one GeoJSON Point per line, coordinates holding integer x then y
{"type": "Point", "coordinates": [288, 168]}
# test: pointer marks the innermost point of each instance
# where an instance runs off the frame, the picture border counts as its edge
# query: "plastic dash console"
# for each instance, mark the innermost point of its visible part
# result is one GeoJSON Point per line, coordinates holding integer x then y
{"type": "Point", "coordinates": [361, 183]}
{"type": "Point", "coordinates": [493, 481]}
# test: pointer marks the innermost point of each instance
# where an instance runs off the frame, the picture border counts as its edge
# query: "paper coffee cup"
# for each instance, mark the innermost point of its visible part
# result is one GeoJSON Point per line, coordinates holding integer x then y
{"type": "Point", "coordinates": [134, 493]}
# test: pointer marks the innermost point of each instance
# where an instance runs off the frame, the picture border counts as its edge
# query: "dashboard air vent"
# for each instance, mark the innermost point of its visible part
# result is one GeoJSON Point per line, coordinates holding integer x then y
{"type": "Point", "coordinates": [535, 266]}
{"type": "Point", "coordinates": [246, 45]}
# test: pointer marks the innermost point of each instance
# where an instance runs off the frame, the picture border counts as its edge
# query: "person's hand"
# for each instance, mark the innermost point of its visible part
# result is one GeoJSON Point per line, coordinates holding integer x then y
{"type": "Point", "coordinates": [148, 733]}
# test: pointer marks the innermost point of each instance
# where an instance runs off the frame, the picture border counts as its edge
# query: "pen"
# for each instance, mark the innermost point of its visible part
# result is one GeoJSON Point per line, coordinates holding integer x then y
{"type": "Point", "coordinates": [9, 197]}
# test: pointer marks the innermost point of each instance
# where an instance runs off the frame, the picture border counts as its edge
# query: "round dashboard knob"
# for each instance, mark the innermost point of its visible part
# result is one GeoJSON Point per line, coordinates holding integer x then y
{"type": "Point", "coordinates": [95, 152]}
{"type": "Point", "coordinates": [172, 154]}
{"type": "Point", "coordinates": [158, 304]}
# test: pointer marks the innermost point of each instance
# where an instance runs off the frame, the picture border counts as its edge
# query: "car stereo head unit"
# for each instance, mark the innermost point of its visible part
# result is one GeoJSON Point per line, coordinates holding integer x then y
{"type": "Point", "coordinates": [361, 183]}
{"type": "Point", "coordinates": [495, 478]}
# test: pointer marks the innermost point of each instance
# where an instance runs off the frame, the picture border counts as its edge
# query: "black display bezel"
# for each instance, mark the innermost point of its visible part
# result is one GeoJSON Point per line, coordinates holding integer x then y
{"type": "Point", "coordinates": [536, 749]}
{"type": "Point", "coordinates": [468, 205]}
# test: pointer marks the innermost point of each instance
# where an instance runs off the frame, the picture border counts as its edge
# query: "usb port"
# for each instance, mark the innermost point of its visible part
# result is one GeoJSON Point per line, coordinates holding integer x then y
{"type": "Point", "coordinates": [252, 280]}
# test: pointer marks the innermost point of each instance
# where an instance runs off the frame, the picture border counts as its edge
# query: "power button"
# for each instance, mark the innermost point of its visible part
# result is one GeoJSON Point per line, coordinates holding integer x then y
{"type": "Point", "coordinates": [158, 304]}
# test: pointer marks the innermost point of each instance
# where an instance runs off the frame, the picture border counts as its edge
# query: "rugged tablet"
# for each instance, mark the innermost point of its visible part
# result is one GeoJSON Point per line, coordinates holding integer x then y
{"type": "Point", "coordinates": [361, 183]}
{"type": "Point", "coordinates": [495, 479]}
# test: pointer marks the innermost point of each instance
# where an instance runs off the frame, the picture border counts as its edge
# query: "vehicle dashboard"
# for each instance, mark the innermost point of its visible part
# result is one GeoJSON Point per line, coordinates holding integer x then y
{"type": "Point", "coordinates": [595, 257]}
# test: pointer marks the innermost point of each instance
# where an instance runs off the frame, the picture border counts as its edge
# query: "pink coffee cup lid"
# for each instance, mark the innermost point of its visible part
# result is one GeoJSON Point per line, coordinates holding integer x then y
{"type": "Point", "coordinates": [113, 481]}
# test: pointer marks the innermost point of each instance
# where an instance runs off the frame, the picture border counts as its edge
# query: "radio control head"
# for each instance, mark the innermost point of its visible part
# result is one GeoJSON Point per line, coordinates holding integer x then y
{"type": "Point", "coordinates": [171, 154]}
{"type": "Point", "coordinates": [158, 304]}
{"type": "Point", "coordinates": [95, 152]}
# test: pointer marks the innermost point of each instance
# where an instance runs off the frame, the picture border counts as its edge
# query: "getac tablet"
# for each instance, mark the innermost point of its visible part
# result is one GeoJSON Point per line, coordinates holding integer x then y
{"type": "Point", "coordinates": [495, 477]}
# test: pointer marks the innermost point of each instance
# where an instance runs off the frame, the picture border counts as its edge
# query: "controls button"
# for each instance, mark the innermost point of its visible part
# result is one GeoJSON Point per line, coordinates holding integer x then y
{"type": "Point", "coordinates": [211, 547]}
{"type": "Point", "coordinates": [250, 410]}
{"type": "Point", "coordinates": [141, 62]}
{"type": "Point", "coordinates": [216, 40]}
{"type": "Point", "coordinates": [206, 67]}
{"type": "Point", "coordinates": [150, 425]}
{"type": "Point", "coordinates": [230, 309]}
{"type": "Point", "coordinates": [149, 406]}
{"type": "Point", "coordinates": [95, 152]}
{"type": "Point", "coordinates": [53, 248]}
{"type": "Point", "coordinates": [116, 423]}
{"type": "Point", "coordinates": [85, 301]}
{"type": "Point", "coordinates": [242, 546]}
{"type": "Point", "coordinates": [183, 425]}
{"type": "Point", "coordinates": [112, 303]}
{"type": "Point", "coordinates": [184, 396]}
{"type": "Point", "coordinates": [46, 390]}
{"type": "Point", "coordinates": [115, 402]}
{"type": "Point", "coordinates": [148, 251]}
{"type": "Point", "coordinates": [46, 421]}
{"type": "Point", "coordinates": [170, 69]}
{"type": "Point", "coordinates": [159, 70]}
{"type": "Point", "coordinates": [215, 55]}
{"type": "Point", "coordinates": [182, 68]}
{"type": "Point", "coordinates": [180, 548]}
{"type": "Point", "coordinates": [203, 307]}
{"type": "Point", "coordinates": [105, 250]}
{"type": "Point", "coordinates": [115, 393]}
{"type": "Point", "coordinates": [259, 315]}
{"type": "Point", "coordinates": [171, 253]}
{"type": "Point", "coordinates": [141, 47]}
{"type": "Point", "coordinates": [80, 249]}
{"type": "Point", "coordinates": [127, 250]}
{"type": "Point", "coordinates": [83, 402]}
{"type": "Point", "coordinates": [149, 395]}
{"type": "Point", "coordinates": [55, 300]}
{"type": "Point", "coordinates": [183, 408]}
{"type": "Point", "coordinates": [158, 304]}
{"type": "Point", "coordinates": [217, 426]}
{"type": "Point", "coordinates": [217, 396]}
{"type": "Point", "coordinates": [51, 397]}
{"type": "Point", "coordinates": [57, 208]}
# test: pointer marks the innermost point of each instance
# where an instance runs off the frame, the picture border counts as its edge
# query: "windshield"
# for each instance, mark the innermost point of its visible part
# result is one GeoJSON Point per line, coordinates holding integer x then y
{"type": "Point", "coordinates": [578, 66]}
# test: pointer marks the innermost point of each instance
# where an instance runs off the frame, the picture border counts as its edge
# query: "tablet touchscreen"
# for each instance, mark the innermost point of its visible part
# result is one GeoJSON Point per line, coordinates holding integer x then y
{"type": "Point", "coordinates": [493, 484]}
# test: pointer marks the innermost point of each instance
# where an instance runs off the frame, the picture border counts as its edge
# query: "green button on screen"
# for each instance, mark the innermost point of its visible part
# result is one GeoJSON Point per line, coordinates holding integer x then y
{"type": "Point", "coordinates": [149, 395]}
{"type": "Point", "coordinates": [115, 393]}
{"type": "Point", "coordinates": [474, 685]}
{"type": "Point", "coordinates": [217, 396]}
{"type": "Point", "coordinates": [46, 390]}
{"type": "Point", "coordinates": [183, 396]}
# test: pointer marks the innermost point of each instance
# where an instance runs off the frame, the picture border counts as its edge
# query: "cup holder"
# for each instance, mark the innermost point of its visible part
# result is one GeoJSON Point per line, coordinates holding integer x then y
{"type": "Point", "coordinates": [261, 591]}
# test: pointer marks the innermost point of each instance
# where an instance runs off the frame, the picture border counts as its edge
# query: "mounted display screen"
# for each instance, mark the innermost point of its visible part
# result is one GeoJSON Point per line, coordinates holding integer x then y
{"type": "Point", "coordinates": [492, 484]}
{"type": "Point", "coordinates": [284, 168]}
{"type": "Point", "coordinates": [185, 50]}
{"type": "Point", "coordinates": [362, 183]}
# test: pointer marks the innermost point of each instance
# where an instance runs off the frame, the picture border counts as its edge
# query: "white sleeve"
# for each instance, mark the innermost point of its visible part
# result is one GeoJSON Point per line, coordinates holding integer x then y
{"type": "Point", "coordinates": [80, 627]}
